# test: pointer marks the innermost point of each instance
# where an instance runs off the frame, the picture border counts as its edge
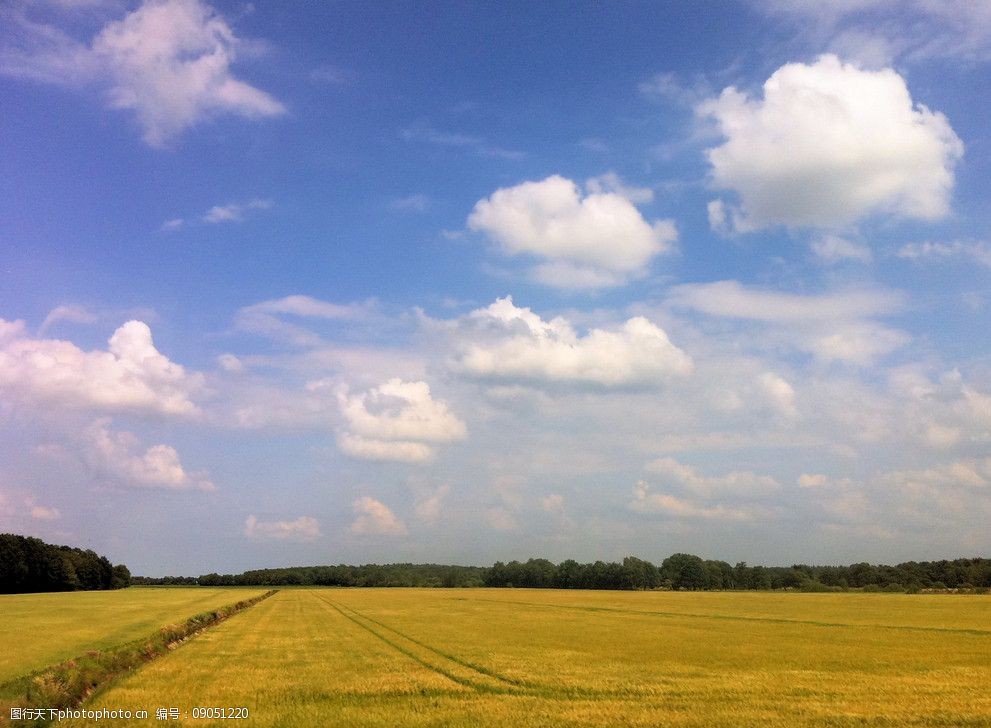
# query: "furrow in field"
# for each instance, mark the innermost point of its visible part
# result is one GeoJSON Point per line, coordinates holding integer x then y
{"type": "Point", "coordinates": [481, 669]}
{"type": "Point", "coordinates": [509, 685]}
{"type": "Point", "coordinates": [474, 679]}
{"type": "Point", "coordinates": [743, 618]}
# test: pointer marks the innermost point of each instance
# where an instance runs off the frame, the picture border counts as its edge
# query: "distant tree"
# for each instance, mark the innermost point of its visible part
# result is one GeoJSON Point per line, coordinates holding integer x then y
{"type": "Point", "coordinates": [640, 574]}
{"type": "Point", "coordinates": [760, 578]}
{"type": "Point", "coordinates": [121, 577]}
{"type": "Point", "coordinates": [684, 571]}
{"type": "Point", "coordinates": [29, 564]}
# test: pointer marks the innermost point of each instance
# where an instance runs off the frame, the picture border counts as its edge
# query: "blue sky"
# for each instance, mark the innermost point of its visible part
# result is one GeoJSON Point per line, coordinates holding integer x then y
{"type": "Point", "coordinates": [461, 282]}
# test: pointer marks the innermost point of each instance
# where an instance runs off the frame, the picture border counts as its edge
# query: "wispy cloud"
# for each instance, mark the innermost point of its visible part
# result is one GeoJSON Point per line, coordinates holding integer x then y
{"type": "Point", "coordinates": [304, 528]}
{"type": "Point", "coordinates": [412, 203]}
{"type": "Point", "coordinates": [477, 144]}
{"type": "Point", "coordinates": [977, 251]}
{"type": "Point", "coordinates": [235, 211]}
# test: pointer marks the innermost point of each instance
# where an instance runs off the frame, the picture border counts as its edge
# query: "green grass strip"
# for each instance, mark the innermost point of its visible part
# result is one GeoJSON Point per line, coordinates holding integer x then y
{"type": "Point", "coordinates": [69, 683]}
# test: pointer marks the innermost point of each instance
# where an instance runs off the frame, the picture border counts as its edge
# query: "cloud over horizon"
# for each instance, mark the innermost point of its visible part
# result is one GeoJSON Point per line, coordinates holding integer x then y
{"type": "Point", "coordinates": [130, 376]}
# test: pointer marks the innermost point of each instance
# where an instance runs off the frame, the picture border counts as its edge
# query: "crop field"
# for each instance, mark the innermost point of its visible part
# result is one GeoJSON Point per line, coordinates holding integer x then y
{"type": "Point", "coordinates": [40, 629]}
{"type": "Point", "coordinates": [389, 657]}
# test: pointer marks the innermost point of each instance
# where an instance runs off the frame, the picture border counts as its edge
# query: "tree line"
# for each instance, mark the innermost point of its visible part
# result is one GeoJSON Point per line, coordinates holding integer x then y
{"type": "Point", "coordinates": [30, 565]}
{"type": "Point", "coordinates": [678, 572]}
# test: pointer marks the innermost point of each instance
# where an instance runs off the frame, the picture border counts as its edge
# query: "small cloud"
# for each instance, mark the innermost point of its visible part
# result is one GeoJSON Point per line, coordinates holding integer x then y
{"type": "Point", "coordinates": [172, 225]}
{"type": "Point", "coordinates": [75, 314]}
{"type": "Point", "coordinates": [581, 241]}
{"type": "Point", "coordinates": [45, 514]}
{"type": "Point", "coordinates": [267, 318]}
{"type": "Point", "coordinates": [667, 87]}
{"type": "Point", "coordinates": [978, 251]}
{"type": "Point", "coordinates": [594, 144]}
{"type": "Point", "coordinates": [509, 343]}
{"type": "Point", "coordinates": [234, 212]}
{"type": "Point", "coordinates": [677, 507]}
{"type": "Point", "coordinates": [479, 145]}
{"type": "Point", "coordinates": [429, 507]}
{"type": "Point", "coordinates": [413, 203]}
{"type": "Point", "coordinates": [117, 455]}
{"type": "Point", "coordinates": [779, 392]}
{"type": "Point", "coordinates": [812, 480]}
{"type": "Point", "coordinates": [397, 451]}
{"type": "Point", "coordinates": [303, 528]}
{"type": "Point", "coordinates": [501, 519]}
{"type": "Point", "coordinates": [397, 421]}
{"type": "Point", "coordinates": [374, 518]}
{"type": "Point", "coordinates": [736, 484]}
{"type": "Point", "coordinates": [834, 249]}
{"type": "Point", "coordinates": [333, 75]}
{"type": "Point", "coordinates": [230, 363]}
{"type": "Point", "coordinates": [611, 182]}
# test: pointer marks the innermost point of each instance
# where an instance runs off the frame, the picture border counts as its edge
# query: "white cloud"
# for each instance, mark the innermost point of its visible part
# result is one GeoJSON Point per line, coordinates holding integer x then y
{"type": "Point", "coordinates": [972, 473]}
{"type": "Point", "coordinates": [674, 507]}
{"type": "Point", "coordinates": [737, 484]}
{"type": "Point", "coordinates": [424, 133]}
{"type": "Point", "coordinates": [374, 517]}
{"type": "Point", "coordinates": [412, 203]}
{"type": "Point", "coordinates": [591, 241]}
{"type": "Point", "coordinates": [829, 144]}
{"type": "Point", "coordinates": [734, 300]}
{"type": "Point", "coordinates": [265, 318]}
{"type": "Point", "coordinates": [304, 528]}
{"type": "Point", "coordinates": [398, 410]}
{"type": "Point", "coordinates": [610, 183]}
{"type": "Point", "coordinates": [132, 375]}
{"type": "Point", "coordinates": [117, 455]}
{"type": "Point", "coordinates": [812, 480]}
{"type": "Point", "coordinates": [429, 507]}
{"type": "Point", "coordinates": [779, 392]}
{"type": "Point", "coordinates": [857, 343]}
{"type": "Point", "coordinates": [309, 307]}
{"type": "Point", "coordinates": [911, 30]}
{"type": "Point", "coordinates": [365, 448]}
{"type": "Point", "coordinates": [669, 88]}
{"type": "Point", "coordinates": [333, 75]}
{"type": "Point", "coordinates": [978, 251]}
{"type": "Point", "coordinates": [831, 326]}
{"type": "Point", "coordinates": [396, 421]}
{"type": "Point", "coordinates": [235, 211]}
{"type": "Point", "coordinates": [74, 314]}
{"type": "Point", "coordinates": [501, 519]}
{"type": "Point", "coordinates": [168, 61]}
{"type": "Point", "coordinates": [230, 363]}
{"type": "Point", "coordinates": [503, 341]}
{"type": "Point", "coordinates": [45, 514]}
{"type": "Point", "coordinates": [834, 249]}
{"type": "Point", "coordinates": [553, 503]}
{"type": "Point", "coordinates": [43, 53]}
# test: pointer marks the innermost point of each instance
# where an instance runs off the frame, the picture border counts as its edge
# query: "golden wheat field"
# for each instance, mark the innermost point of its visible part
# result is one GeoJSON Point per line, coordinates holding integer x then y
{"type": "Point", "coordinates": [435, 657]}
